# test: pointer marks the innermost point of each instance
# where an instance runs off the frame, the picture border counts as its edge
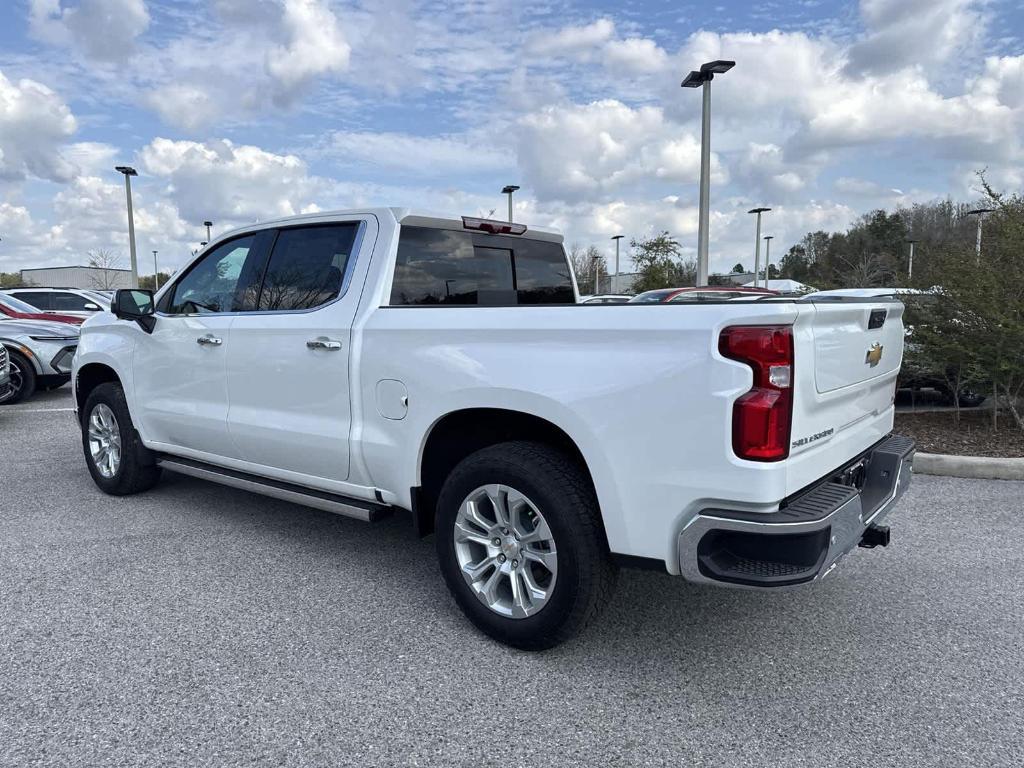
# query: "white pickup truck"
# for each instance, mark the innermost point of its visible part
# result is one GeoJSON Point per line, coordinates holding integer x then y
{"type": "Point", "coordinates": [376, 360]}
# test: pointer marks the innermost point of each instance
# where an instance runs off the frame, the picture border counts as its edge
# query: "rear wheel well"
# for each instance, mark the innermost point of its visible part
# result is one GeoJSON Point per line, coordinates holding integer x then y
{"type": "Point", "coordinates": [89, 377]}
{"type": "Point", "coordinates": [462, 433]}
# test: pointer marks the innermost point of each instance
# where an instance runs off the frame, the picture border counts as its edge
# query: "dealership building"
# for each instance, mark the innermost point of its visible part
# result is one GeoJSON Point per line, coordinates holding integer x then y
{"type": "Point", "coordinates": [95, 278]}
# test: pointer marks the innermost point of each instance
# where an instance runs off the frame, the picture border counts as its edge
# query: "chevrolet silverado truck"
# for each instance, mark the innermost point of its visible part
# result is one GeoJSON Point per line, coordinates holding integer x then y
{"type": "Point", "coordinates": [369, 361]}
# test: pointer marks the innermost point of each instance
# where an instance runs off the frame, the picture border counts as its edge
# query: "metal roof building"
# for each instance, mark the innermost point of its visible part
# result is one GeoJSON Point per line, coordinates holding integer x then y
{"type": "Point", "coordinates": [96, 278]}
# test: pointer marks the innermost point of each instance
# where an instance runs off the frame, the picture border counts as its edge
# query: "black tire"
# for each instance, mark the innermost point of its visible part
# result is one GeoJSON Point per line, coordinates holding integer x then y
{"type": "Point", "coordinates": [563, 495]}
{"type": "Point", "coordinates": [136, 471]}
{"type": "Point", "coordinates": [23, 380]}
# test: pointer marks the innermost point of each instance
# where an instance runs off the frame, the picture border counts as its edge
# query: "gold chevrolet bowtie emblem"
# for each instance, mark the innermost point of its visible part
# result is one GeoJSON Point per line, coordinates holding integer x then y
{"type": "Point", "coordinates": [874, 354]}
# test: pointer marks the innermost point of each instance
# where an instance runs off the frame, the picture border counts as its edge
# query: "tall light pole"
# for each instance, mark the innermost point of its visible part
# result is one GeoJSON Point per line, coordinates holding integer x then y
{"type": "Point", "coordinates": [767, 258]}
{"type": "Point", "coordinates": [508, 189]}
{"type": "Point", "coordinates": [757, 242]}
{"type": "Point", "coordinates": [910, 259]}
{"type": "Point", "coordinates": [980, 213]}
{"type": "Point", "coordinates": [615, 280]}
{"type": "Point", "coordinates": [156, 274]}
{"type": "Point", "coordinates": [128, 172]}
{"type": "Point", "coordinates": [595, 262]}
{"type": "Point", "coordinates": [208, 224]}
{"type": "Point", "coordinates": [703, 78]}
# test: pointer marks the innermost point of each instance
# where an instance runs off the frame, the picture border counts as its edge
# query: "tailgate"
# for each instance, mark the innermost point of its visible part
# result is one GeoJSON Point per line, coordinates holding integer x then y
{"type": "Point", "coordinates": [847, 356]}
{"type": "Point", "coordinates": [856, 342]}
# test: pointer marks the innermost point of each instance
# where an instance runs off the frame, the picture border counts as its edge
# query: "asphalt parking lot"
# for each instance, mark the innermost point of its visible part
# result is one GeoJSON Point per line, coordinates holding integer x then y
{"type": "Point", "coordinates": [200, 625]}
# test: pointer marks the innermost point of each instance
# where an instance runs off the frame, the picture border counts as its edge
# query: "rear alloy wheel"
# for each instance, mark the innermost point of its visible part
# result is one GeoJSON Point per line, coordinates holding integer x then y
{"type": "Point", "coordinates": [505, 551]}
{"type": "Point", "coordinates": [22, 383]}
{"type": "Point", "coordinates": [521, 545]}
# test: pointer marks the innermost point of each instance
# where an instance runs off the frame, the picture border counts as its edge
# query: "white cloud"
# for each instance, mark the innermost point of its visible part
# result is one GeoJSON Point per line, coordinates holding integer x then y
{"type": "Point", "coordinates": [102, 29]}
{"type": "Point", "coordinates": [572, 40]}
{"type": "Point", "coordinates": [415, 155]}
{"type": "Point", "coordinates": [184, 105]}
{"type": "Point", "coordinates": [635, 56]}
{"type": "Point", "coordinates": [903, 33]}
{"type": "Point", "coordinates": [221, 180]}
{"type": "Point", "coordinates": [576, 152]}
{"type": "Point", "coordinates": [315, 46]}
{"type": "Point", "coordinates": [34, 125]}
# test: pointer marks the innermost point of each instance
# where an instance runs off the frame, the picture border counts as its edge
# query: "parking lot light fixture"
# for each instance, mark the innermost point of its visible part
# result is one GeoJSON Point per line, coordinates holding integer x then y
{"type": "Point", "coordinates": [767, 258]}
{"type": "Point", "coordinates": [702, 78]}
{"type": "Point", "coordinates": [128, 172]}
{"type": "Point", "coordinates": [980, 213]}
{"type": "Point", "coordinates": [208, 224]}
{"type": "Point", "coordinates": [615, 280]}
{"type": "Point", "coordinates": [757, 241]}
{"type": "Point", "coordinates": [508, 189]}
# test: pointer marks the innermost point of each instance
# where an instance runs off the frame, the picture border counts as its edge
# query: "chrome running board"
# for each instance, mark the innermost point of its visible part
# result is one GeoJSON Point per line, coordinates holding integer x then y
{"type": "Point", "coordinates": [366, 511]}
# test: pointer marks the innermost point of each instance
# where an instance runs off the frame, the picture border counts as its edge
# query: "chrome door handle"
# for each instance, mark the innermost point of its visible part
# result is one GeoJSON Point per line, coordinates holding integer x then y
{"type": "Point", "coordinates": [328, 344]}
{"type": "Point", "coordinates": [212, 341]}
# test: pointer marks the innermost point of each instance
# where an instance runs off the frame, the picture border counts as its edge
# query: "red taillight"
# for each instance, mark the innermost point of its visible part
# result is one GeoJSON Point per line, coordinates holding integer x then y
{"type": "Point", "coordinates": [762, 417]}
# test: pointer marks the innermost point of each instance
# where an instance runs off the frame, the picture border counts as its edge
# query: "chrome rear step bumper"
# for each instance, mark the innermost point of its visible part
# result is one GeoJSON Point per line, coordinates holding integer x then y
{"type": "Point", "coordinates": [805, 539]}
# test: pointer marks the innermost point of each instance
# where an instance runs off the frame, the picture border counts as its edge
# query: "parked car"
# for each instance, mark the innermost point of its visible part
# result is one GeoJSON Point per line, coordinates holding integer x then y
{"type": "Point", "coordinates": [20, 310]}
{"type": "Point", "coordinates": [76, 302]}
{"type": "Point", "coordinates": [378, 360]}
{"type": "Point", "coordinates": [699, 293]}
{"type": "Point", "coordinates": [606, 298]}
{"type": "Point", "coordinates": [40, 354]}
{"type": "Point", "coordinates": [5, 372]}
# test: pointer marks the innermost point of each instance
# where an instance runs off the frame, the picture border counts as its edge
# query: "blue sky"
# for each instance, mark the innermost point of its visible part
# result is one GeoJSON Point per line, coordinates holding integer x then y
{"type": "Point", "coordinates": [236, 110]}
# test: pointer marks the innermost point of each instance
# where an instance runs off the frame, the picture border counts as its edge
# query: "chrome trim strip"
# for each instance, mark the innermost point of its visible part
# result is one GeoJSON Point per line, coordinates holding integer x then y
{"type": "Point", "coordinates": [317, 502]}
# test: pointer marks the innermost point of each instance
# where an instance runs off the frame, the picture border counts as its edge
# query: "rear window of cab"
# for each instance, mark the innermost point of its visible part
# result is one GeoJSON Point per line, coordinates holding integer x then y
{"type": "Point", "coordinates": [453, 268]}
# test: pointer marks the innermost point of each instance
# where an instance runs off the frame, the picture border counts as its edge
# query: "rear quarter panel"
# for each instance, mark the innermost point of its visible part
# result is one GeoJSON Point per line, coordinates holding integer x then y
{"type": "Point", "coordinates": [640, 389]}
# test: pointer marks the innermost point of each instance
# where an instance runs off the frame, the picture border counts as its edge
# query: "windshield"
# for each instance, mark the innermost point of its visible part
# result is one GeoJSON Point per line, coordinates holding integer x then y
{"type": "Point", "coordinates": [652, 297]}
{"type": "Point", "coordinates": [18, 305]}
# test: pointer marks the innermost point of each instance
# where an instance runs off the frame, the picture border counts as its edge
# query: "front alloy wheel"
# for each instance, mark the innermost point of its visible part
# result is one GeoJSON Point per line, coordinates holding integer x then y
{"type": "Point", "coordinates": [104, 441]}
{"type": "Point", "coordinates": [505, 551]}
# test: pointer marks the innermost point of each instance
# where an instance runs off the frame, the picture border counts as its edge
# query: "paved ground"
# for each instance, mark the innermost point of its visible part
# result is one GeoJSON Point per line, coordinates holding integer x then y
{"type": "Point", "coordinates": [201, 626]}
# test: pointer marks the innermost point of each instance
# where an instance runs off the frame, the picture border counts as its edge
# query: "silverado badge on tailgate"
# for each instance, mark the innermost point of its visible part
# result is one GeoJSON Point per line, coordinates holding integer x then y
{"type": "Point", "coordinates": [874, 355]}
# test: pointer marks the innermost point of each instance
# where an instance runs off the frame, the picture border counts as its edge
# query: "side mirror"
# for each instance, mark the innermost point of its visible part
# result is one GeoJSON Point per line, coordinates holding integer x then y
{"type": "Point", "coordinates": [92, 307]}
{"type": "Point", "coordinates": [135, 304]}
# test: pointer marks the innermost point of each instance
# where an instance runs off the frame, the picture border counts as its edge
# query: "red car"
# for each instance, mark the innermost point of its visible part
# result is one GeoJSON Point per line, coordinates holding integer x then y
{"type": "Point", "coordinates": [699, 293]}
{"type": "Point", "coordinates": [19, 310]}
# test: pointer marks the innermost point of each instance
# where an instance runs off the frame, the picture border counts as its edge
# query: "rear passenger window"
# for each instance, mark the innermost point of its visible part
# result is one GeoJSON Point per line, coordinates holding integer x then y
{"type": "Point", "coordinates": [307, 266]}
{"type": "Point", "coordinates": [441, 266]}
{"type": "Point", "coordinates": [39, 300]}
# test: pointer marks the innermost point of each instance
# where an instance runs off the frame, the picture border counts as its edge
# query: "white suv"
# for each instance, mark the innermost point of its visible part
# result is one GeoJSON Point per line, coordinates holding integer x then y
{"type": "Point", "coordinates": [77, 302]}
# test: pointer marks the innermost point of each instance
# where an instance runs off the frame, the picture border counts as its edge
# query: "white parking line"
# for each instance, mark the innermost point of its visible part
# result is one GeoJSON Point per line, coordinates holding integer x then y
{"type": "Point", "coordinates": [40, 410]}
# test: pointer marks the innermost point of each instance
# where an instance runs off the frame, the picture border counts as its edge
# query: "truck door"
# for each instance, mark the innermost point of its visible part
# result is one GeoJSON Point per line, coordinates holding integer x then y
{"type": "Point", "coordinates": [288, 365]}
{"type": "Point", "coordinates": [179, 369]}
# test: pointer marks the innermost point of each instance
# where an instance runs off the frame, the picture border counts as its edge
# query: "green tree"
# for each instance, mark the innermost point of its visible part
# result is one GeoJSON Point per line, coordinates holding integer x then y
{"type": "Point", "coordinates": [659, 264]}
{"type": "Point", "coordinates": [738, 269]}
{"type": "Point", "coordinates": [795, 265]}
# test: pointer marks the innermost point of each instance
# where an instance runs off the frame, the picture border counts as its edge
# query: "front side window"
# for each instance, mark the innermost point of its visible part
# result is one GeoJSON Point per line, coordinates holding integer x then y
{"type": "Point", "coordinates": [72, 302]}
{"type": "Point", "coordinates": [441, 266]}
{"type": "Point", "coordinates": [218, 283]}
{"type": "Point", "coordinates": [307, 266]}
